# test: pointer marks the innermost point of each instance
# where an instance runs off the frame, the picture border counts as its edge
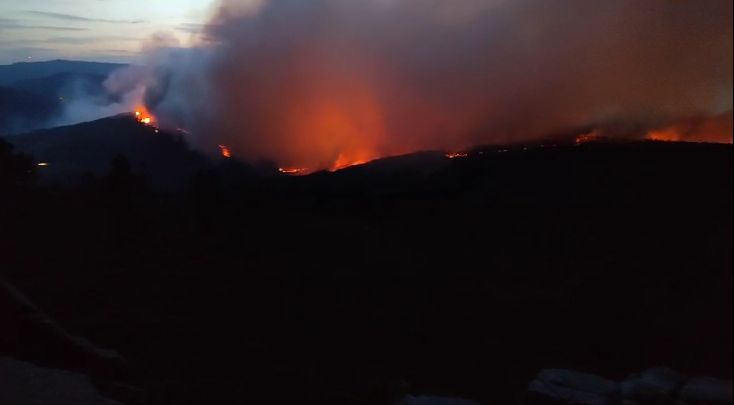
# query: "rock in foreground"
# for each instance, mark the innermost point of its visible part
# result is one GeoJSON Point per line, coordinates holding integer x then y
{"type": "Point", "coordinates": [656, 386]}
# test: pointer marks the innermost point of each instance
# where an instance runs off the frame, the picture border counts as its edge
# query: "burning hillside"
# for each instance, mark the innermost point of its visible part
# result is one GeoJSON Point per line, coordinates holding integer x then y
{"type": "Point", "coordinates": [708, 129]}
{"type": "Point", "coordinates": [67, 153]}
{"type": "Point", "coordinates": [351, 202]}
{"type": "Point", "coordinates": [330, 84]}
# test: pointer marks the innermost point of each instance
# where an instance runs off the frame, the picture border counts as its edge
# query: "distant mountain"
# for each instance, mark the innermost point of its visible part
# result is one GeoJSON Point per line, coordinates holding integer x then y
{"type": "Point", "coordinates": [32, 95]}
{"type": "Point", "coordinates": [22, 110]}
{"type": "Point", "coordinates": [65, 85]}
{"type": "Point", "coordinates": [37, 70]}
{"type": "Point", "coordinates": [89, 148]}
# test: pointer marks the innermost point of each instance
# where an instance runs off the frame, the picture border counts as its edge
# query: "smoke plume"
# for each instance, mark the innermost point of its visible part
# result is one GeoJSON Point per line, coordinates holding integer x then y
{"type": "Point", "coordinates": [326, 83]}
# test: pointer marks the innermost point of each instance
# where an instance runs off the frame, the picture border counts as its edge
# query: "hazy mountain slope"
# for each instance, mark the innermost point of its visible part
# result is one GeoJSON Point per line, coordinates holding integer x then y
{"type": "Point", "coordinates": [36, 70]}
{"type": "Point", "coordinates": [65, 85]}
{"type": "Point", "coordinates": [22, 110]}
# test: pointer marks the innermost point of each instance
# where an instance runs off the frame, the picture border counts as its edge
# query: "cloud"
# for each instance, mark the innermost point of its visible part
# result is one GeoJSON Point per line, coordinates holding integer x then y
{"type": "Point", "coordinates": [68, 40]}
{"type": "Point", "coordinates": [72, 17]}
{"type": "Point", "coordinates": [192, 28]}
{"type": "Point", "coordinates": [16, 25]}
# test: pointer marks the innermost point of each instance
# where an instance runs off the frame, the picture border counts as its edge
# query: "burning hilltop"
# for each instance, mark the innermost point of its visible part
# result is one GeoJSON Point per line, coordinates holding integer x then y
{"type": "Point", "coordinates": [143, 116]}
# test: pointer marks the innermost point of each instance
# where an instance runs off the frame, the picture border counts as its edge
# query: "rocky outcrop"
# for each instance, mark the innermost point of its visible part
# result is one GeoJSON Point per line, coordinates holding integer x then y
{"type": "Point", "coordinates": [30, 334]}
{"type": "Point", "coordinates": [426, 400]}
{"type": "Point", "coordinates": [23, 383]}
{"type": "Point", "coordinates": [560, 387]}
{"type": "Point", "coordinates": [656, 386]}
{"type": "Point", "coordinates": [706, 391]}
{"type": "Point", "coordinates": [58, 359]}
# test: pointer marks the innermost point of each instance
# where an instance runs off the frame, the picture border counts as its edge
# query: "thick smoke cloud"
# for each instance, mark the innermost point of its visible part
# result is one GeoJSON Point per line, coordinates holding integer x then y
{"type": "Point", "coordinates": [322, 83]}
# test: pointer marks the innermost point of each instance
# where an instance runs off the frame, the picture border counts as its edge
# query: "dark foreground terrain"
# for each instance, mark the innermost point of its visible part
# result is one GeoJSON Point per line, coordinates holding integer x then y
{"type": "Point", "coordinates": [421, 274]}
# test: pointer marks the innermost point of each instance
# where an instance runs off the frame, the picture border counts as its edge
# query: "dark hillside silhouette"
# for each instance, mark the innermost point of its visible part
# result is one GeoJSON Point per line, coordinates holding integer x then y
{"type": "Point", "coordinates": [88, 148]}
{"type": "Point", "coordinates": [22, 110]}
{"type": "Point", "coordinates": [417, 274]}
{"type": "Point", "coordinates": [16, 169]}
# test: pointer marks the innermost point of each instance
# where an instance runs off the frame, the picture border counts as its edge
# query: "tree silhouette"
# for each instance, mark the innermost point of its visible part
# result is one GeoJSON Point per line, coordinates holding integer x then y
{"type": "Point", "coordinates": [15, 168]}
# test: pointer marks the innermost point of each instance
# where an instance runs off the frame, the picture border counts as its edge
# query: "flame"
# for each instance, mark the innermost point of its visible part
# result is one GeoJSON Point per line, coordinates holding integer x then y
{"type": "Point", "coordinates": [664, 135]}
{"type": "Point", "coordinates": [144, 116]}
{"type": "Point", "coordinates": [593, 136]}
{"type": "Point", "coordinates": [345, 161]}
{"type": "Point", "coordinates": [456, 155]}
{"type": "Point", "coordinates": [225, 151]}
{"type": "Point", "coordinates": [293, 170]}
{"type": "Point", "coordinates": [331, 125]}
{"type": "Point", "coordinates": [717, 128]}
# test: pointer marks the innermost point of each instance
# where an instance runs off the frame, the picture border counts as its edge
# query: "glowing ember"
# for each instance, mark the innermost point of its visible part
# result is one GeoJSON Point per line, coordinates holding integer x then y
{"type": "Point", "coordinates": [716, 129]}
{"type": "Point", "coordinates": [665, 135]}
{"type": "Point", "coordinates": [341, 166]}
{"type": "Point", "coordinates": [592, 136]}
{"type": "Point", "coordinates": [292, 170]}
{"type": "Point", "coordinates": [457, 155]}
{"type": "Point", "coordinates": [674, 133]}
{"type": "Point", "coordinates": [224, 150]}
{"type": "Point", "coordinates": [346, 160]}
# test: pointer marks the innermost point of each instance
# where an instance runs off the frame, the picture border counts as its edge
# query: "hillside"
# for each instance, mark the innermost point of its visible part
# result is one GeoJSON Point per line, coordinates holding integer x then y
{"type": "Point", "coordinates": [22, 110]}
{"type": "Point", "coordinates": [33, 95]}
{"type": "Point", "coordinates": [37, 70]}
{"type": "Point", "coordinates": [65, 86]}
{"type": "Point", "coordinates": [418, 274]}
{"type": "Point", "coordinates": [88, 149]}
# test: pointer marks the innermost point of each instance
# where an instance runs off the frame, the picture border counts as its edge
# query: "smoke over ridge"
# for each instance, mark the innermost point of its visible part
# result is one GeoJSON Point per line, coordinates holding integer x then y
{"type": "Point", "coordinates": [326, 83]}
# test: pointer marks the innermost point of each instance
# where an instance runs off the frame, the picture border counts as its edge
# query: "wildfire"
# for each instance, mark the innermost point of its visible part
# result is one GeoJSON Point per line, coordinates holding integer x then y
{"type": "Point", "coordinates": [346, 160]}
{"type": "Point", "coordinates": [592, 136]}
{"type": "Point", "coordinates": [667, 135]}
{"type": "Point", "coordinates": [144, 116]}
{"type": "Point", "coordinates": [224, 150]}
{"type": "Point", "coordinates": [341, 166]}
{"type": "Point", "coordinates": [716, 129]}
{"type": "Point", "coordinates": [456, 155]}
{"type": "Point", "coordinates": [292, 170]}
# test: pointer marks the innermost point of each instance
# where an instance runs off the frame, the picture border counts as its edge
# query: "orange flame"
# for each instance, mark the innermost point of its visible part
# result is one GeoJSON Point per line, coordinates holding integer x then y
{"type": "Point", "coordinates": [344, 162]}
{"type": "Point", "coordinates": [593, 136]}
{"type": "Point", "coordinates": [456, 155]}
{"type": "Point", "coordinates": [716, 129]}
{"type": "Point", "coordinates": [293, 170]}
{"type": "Point", "coordinates": [666, 135]}
{"type": "Point", "coordinates": [144, 116]}
{"type": "Point", "coordinates": [224, 150]}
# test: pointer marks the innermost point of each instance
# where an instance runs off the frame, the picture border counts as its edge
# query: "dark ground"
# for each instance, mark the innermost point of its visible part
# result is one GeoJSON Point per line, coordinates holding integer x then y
{"type": "Point", "coordinates": [421, 274]}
